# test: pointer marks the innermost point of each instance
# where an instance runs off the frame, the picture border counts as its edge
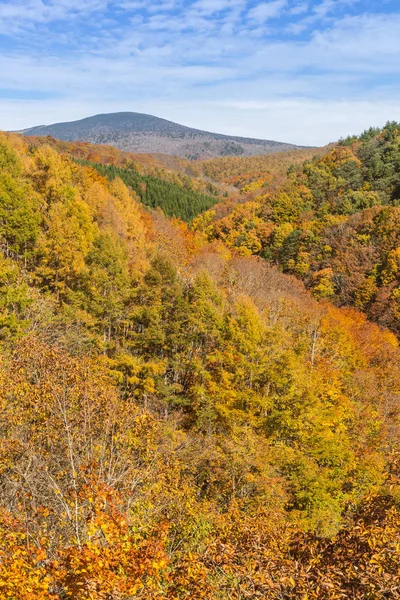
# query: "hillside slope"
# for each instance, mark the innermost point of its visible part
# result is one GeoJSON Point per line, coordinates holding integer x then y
{"type": "Point", "coordinates": [334, 223]}
{"type": "Point", "coordinates": [137, 132]}
{"type": "Point", "coordinates": [178, 421]}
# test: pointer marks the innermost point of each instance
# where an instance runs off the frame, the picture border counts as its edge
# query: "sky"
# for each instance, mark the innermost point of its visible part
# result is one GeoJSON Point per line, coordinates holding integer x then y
{"type": "Point", "coordinates": [306, 72]}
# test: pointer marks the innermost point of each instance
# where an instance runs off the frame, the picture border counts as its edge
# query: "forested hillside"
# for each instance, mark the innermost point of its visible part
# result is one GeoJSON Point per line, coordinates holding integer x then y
{"type": "Point", "coordinates": [180, 419]}
{"type": "Point", "coordinates": [175, 199]}
{"type": "Point", "coordinates": [335, 223]}
{"type": "Point", "coordinates": [253, 172]}
{"type": "Point", "coordinates": [151, 179]}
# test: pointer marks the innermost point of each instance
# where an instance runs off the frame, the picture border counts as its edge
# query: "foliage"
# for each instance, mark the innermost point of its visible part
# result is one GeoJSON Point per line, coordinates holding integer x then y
{"type": "Point", "coordinates": [178, 419]}
{"type": "Point", "coordinates": [174, 199]}
{"type": "Point", "coordinates": [334, 224]}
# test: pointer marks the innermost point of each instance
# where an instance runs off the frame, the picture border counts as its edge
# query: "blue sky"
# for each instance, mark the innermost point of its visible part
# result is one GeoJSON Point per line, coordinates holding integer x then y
{"type": "Point", "coordinates": [300, 71]}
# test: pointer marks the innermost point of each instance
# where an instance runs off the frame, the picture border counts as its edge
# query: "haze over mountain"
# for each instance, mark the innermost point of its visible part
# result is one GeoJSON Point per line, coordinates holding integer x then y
{"type": "Point", "coordinates": [141, 133]}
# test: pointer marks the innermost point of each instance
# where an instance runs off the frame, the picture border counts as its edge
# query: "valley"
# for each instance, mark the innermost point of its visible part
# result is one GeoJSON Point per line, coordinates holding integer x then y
{"type": "Point", "coordinates": [199, 372]}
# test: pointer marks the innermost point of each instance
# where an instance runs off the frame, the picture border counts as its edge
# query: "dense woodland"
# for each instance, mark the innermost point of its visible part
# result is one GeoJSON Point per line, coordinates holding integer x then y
{"type": "Point", "coordinates": [175, 198]}
{"type": "Point", "coordinates": [180, 418]}
{"type": "Point", "coordinates": [253, 171]}
{"type": "Point", "coordinates": [153, 180]}
{"type": "Point", "coordinates": [335, 224]}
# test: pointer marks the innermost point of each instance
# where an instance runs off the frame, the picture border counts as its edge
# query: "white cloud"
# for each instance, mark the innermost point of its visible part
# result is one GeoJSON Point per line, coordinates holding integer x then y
{"type": "Point", "coordinates": [297, 28]}
{"type": "Point", "coordinates": [319, 13]}
{"type": "Point", "coordinates": [325, 7]}
{"type": "Point", "coordinates": [166, 6]}
{"type": "Point", "coordinates": [38, 11]}
{"type": "Point", "coordinates": [302, 121]}
{"type": "Point", "coordinates": [214, 6]}
{"type": "Point", "coordinates": [20, 15]}
{"type": "Point", "coordinates": [184, 65]}
{"type": "Point", "coordinates": [299, 9]}
{"type": "Point", "coordinates": [368, 45]}
{"type": "Point", "coordinates": [363, 37]}
{"type": "Point", "coordinates": [267, 10]}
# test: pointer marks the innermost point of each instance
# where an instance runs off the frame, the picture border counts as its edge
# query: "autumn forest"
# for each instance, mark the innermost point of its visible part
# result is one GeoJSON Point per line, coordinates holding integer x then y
{"type": "Point", "coordinates": [200, 373]}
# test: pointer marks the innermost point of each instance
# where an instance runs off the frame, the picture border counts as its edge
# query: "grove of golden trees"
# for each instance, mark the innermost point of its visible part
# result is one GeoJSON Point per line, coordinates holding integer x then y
{"type": "Point", "coordinates": [178, 418]}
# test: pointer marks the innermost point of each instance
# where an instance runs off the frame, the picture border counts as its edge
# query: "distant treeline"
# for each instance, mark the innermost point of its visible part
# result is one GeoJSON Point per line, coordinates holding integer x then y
{"type": "Point", "coordinates": [172, 198]}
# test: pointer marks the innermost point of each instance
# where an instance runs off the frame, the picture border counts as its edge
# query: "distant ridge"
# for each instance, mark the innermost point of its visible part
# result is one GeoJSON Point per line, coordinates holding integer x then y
{"type": "Point", "coordinates": [142, 133]}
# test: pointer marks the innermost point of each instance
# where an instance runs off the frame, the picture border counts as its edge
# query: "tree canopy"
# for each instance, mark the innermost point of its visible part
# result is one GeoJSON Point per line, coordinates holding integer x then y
{"type": "Point", "coordinates": [178, 417]}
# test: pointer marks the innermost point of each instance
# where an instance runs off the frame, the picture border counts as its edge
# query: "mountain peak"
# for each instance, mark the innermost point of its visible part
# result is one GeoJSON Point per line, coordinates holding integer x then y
{"type": "Point", "coordinates": [143, 133]}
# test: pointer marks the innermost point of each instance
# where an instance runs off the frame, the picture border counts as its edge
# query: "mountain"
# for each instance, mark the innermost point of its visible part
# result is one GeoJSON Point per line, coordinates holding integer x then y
{"type": "Point", "coordinates": [137, 132]}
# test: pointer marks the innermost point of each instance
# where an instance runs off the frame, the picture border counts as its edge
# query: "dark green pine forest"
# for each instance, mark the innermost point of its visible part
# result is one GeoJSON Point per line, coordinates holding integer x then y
{"type": "Point", "coordinates": [175, 200]}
